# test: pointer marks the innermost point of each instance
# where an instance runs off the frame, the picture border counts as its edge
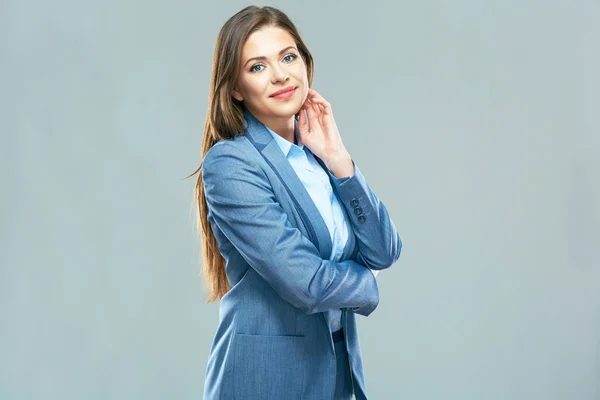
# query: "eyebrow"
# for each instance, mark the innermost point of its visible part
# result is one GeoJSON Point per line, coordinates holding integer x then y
{"type": "Point", "coordinates": [264, 58]}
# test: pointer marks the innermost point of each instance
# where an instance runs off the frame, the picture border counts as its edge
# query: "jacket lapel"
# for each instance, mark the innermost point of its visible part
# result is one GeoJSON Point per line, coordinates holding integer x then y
{"type": "Point", "coordinates": [349, 249]}
{"type": "Point", "coordinates": [268, 148]}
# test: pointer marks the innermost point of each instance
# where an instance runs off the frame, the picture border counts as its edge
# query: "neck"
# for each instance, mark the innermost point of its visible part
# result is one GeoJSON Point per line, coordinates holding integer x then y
{"type": "Point", "coordinates": [282, 127]}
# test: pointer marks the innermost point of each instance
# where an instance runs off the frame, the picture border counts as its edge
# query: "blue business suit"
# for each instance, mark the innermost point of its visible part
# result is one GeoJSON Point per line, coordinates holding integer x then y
{"type": "Point", "coordinates": [273, 340]}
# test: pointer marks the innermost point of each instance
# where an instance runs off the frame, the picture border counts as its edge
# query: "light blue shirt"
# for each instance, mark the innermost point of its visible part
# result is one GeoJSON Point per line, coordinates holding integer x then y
{"type": "Point", "coordinates": [316, 182]}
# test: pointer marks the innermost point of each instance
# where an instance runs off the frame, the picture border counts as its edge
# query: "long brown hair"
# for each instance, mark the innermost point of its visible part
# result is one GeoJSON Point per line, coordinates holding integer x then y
{"type": "Point", "coordinates": [224, 118]}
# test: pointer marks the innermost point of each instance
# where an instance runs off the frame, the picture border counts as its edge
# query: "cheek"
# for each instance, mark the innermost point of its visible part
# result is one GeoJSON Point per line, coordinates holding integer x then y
{"type": "Point", "coordinates": [303, 75]}
{"type": "Point", "coordinates": [303, 78]}
{"type": "Point", "coordinates": [255, 85]}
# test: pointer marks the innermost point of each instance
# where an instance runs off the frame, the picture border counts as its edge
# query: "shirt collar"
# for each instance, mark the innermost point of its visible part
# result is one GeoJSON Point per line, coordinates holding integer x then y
{"type": "Point", "coordinates": [284, 145]}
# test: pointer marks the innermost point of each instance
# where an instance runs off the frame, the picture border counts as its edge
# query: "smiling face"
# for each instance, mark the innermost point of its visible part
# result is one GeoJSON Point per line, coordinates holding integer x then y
{"type": "Point", "coordinates": [271, 63]}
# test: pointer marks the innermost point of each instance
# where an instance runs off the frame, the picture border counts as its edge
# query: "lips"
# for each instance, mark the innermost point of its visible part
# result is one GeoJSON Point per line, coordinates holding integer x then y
{"type": "Point", "coordinates": [283, 91]}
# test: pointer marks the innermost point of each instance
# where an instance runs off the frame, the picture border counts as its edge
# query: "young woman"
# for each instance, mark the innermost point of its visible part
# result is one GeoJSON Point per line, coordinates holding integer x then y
{"type": "Point", "coordinates": [292, 235]}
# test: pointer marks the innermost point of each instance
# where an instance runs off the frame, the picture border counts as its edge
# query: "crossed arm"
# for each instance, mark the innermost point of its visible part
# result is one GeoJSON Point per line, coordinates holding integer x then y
{"type": "Point", "coordinates": [243, 205]}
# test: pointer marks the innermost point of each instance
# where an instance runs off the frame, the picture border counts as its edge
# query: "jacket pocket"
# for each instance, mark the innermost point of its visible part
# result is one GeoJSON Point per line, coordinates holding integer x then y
{"type": "Point", "coordinates": [268, 367]}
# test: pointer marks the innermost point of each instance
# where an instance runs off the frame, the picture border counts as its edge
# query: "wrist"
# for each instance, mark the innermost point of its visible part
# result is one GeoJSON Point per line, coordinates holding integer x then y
{"type": "Point", "coordinates": [340, 164]}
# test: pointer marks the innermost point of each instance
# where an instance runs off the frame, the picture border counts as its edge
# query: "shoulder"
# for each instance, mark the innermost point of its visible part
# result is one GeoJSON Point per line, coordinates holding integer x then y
{"type": "Point", "coordinates": [235, 167]}
{"type": "Point", "coordinates": [234, 159]}
{"type": "Point", "coordinates": [237, 148]}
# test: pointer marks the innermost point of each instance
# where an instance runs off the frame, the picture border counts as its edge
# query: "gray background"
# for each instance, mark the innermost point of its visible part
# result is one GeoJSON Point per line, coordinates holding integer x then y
{"type": "Point", "coordinates": [476, 123]}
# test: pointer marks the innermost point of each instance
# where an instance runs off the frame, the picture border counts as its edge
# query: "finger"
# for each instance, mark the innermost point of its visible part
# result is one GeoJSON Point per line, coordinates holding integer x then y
{"type": "Point", "coordinates": [313, 116]}
{"type": "Point", "coordinates": [318, 99]}
{"type": "Point", "coordinates": [320, 109]}
{"type": "Point", "coordinates": [314, 95]}
{"type": "Point", "coordinates": [302, 121]}
{"type": "Point", "coordinates": [326, 118]}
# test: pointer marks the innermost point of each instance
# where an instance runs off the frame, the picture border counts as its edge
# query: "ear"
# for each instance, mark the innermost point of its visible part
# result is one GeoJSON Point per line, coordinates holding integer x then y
{"type": "Point", "coordinates": [237, 95]}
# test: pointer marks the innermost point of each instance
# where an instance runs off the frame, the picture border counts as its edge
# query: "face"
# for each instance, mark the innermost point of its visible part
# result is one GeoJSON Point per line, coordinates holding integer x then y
{"type": "Point", "coordinates": [271, 63]}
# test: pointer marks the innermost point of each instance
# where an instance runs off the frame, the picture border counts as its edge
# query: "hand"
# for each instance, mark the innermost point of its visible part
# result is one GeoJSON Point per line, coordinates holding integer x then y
{"type": "Point", "coordinates": [323, 139]}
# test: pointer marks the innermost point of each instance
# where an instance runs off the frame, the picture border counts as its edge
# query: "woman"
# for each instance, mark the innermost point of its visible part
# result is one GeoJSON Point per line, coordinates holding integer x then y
{"type": "Point", "coordinates": [292, 235]}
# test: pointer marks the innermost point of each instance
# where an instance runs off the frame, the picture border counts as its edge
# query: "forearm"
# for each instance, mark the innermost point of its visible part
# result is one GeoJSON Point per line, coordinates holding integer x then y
{"type": "Point", "coordinates": [340, 164]}
{"type": "Point", "coordinates": [379, 243]}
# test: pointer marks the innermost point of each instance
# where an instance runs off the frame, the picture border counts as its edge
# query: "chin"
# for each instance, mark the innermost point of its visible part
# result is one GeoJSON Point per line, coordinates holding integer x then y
{"type": "Point", "coordinates": [286, 110]}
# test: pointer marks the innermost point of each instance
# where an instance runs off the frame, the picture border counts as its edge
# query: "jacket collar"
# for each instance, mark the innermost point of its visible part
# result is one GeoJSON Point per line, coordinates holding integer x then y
{"type": "Point", "coordinates": [264, 142]}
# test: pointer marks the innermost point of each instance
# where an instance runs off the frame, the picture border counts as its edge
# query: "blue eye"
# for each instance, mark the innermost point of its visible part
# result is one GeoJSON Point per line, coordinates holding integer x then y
{"type": "Point", "coordinates": [287, 59]}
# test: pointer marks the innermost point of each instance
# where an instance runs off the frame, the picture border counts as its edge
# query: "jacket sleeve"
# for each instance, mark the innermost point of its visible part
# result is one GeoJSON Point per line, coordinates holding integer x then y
{"type": "Point", "coordinates": [379, 243]}
{"type": "Point", "coordinates": [242, 203]}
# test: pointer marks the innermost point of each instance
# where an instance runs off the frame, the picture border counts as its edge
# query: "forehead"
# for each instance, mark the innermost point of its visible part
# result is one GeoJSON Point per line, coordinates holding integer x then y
{"type": "Point", "coordinates": [267, 41]}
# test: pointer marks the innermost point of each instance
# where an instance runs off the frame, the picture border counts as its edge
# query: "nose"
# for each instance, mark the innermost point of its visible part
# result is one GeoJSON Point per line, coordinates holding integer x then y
{"type": "Point", "coordinates": [279, 74]}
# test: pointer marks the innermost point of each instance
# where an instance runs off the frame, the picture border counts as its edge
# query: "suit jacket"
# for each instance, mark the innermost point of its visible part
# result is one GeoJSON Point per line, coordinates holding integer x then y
{"type": "Point", "coordinates": [273, 340]}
